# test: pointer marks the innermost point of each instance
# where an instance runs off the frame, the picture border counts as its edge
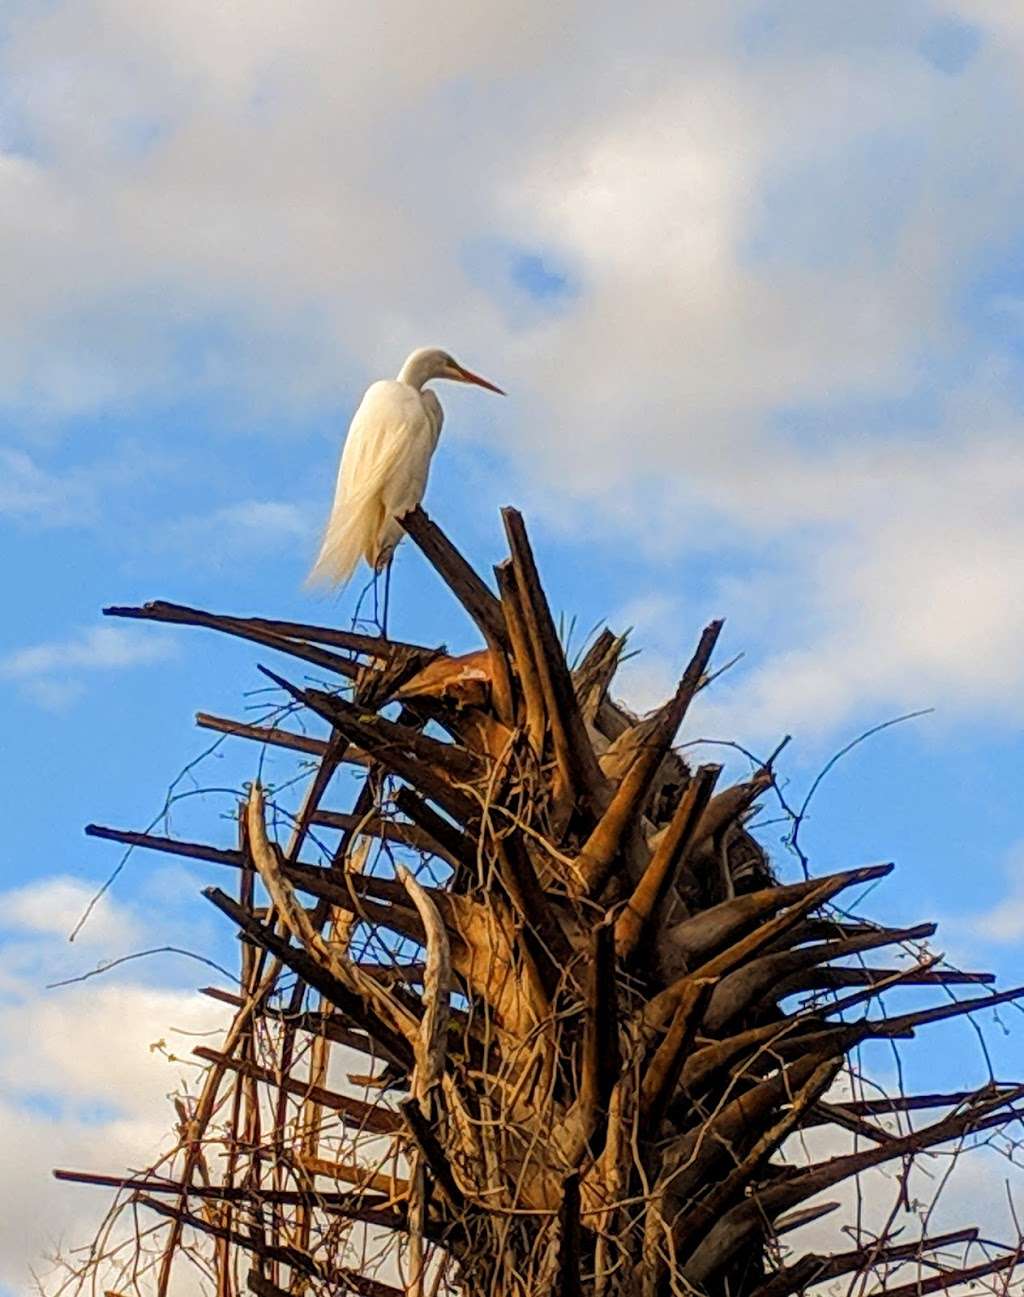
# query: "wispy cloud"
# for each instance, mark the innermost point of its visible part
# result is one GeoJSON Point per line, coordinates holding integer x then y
{"type": "Point", "coordinates": [102, 648]}
{"type": "Point", "coordinates": [247, 529]}
{"type": "Point", "coordinates": [900, 588]}
{"type": "Point", "coordinates": [260, 520]}
{"type": "Point", "coordinates": [52, 673]}
{"type": "Point", "coordinates": [53, 907]}
{"type": "Point", "coordinates": [30, 493]}
{"type": "Point", "coordinates": [1004, 922]}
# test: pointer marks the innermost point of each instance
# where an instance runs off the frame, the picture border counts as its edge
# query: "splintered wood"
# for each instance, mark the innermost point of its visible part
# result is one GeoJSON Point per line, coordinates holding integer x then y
{"type": "Point", "coordinates": [541, 1019]}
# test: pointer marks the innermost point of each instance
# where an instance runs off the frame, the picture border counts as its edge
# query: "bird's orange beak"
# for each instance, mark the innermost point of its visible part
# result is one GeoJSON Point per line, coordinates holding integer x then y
{"type": "Point", "coordinates": [467, 376]}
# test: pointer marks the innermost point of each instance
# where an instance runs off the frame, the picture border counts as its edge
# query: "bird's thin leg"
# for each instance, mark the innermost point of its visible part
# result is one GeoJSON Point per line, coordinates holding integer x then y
{"type": "Point", "coordinates": [362, 595]}
{"type": "Point", "coordinates": [376, 597]}
{"type": "Point", "coordinates": [387, 597]}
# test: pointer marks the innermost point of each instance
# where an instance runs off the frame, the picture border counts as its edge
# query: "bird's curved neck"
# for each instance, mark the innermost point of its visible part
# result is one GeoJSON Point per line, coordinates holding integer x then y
{"type": "Point", "coordinates": [416, 371]}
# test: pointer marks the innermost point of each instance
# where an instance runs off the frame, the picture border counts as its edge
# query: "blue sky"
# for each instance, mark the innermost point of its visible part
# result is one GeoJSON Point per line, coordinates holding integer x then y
{"type": "Point", "coordinates": [752, 276]}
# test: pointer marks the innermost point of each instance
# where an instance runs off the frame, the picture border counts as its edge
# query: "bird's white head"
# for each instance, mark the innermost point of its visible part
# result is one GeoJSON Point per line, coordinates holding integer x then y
{"type": "Point", "coordinates": [432, 362]}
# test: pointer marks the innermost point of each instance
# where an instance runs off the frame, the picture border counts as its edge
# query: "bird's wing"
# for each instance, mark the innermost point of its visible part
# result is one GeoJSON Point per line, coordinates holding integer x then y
{"type": "Point", "coordinates": [383, 464]}
{"type": "Point", "coordinates": [404, 488]}
{"type": "Point", "coordinates": [390, 433]}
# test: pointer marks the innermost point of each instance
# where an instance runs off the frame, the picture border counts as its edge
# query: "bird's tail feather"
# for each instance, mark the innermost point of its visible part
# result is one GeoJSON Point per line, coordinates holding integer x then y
{"type": "Point", "coordinates": [350, 536]}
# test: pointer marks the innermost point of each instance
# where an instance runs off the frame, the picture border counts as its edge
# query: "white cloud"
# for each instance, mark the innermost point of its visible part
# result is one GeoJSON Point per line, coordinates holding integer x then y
{"type": "Point", "coordinates": [84, 1090]}
{"type": "Point", "coordinates": [99, 649]}
{"type": "Point", "coordinates": [752, 227]}
{"type": "Point", "coordinates": [50, 672]}
{"type": "Point", "coordinates": [898, 588]}
{"type": "Point", "coordinates": [248, 529]}
{"type": "Point", "coordinates": [52, 695]}
{"type": "Point", "coordinates": [260, 519]}
{"type": "Point", "coordinates": [29, 492]}
{"type": "Point", "coordinates": [1003, 923]}
{"type": "Point", "coordinates": [294, 177]}
{"type": "Point", "coordinates": [82, 1087]}
{"type": "Point", "coordinates": [54, 906]}
{"type": "Point", "coordinates": [67, 1054]}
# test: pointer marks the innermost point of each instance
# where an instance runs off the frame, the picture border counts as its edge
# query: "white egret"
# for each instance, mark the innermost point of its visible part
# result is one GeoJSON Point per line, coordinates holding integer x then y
{"type": "Point", "coordinates": [384, 466]}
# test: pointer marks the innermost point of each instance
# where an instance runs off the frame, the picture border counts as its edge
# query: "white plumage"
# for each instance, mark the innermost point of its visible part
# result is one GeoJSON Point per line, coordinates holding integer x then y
{"type": "Point", "coordinates": [385, 464]}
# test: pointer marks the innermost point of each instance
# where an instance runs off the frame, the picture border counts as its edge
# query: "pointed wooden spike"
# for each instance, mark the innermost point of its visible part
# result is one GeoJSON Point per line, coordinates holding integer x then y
{"type": "Point", "coordinates": [660, 875]}
{"type": "Point", "coordinates": [314, 1023]}
{"type": "Point", "coordinates": [273, 735]}
{"type": "Point", "coordinates": [662, 1075]}
{"type": "Point", "coordinates": [179, 614]}
{"type": "Point", "coordinates": [693, 940]}
{"type": "Point", "coordinates": [831, 979]}
{"type": "Point", "coordinates": [573, 752]}
{"type": "Point", "coordinates": [917, 1102]}
{"type": "Point", "coordinates": [601, 849]}
{"type": "Point", "coordinates": [594, 674]}
{"type": "Point", "coordinates": [777, 975]}
{"type": "Point", "coordinates": [170, 846]}
{"type": "Point", "coordinates": [534, 711]}
{"type": "Point", "coordinates": [954, 1009]}
{"type": "Point", "coordinates": [219, 1192]}
{"type": "Point", "coordinates": [337, 747]}
{"type": "Point", "coordinates": [310, 878]}
{"type": "Point", "coordinates": [447, 839]}
{"type": "Point", "coordinates": [296, 1259]}
{"type": "Point", "coordinates": [372, 826]}
{"type": "Point", "coordinates": [242, 628]}
{"type": "Point", "coordinates": [746, 974]}
{"type": "Point", "coordinates": [729, 805]}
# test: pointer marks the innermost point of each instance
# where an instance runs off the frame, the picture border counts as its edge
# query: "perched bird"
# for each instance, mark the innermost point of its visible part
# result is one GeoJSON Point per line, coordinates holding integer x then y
{"type": "Point", "coordinates": [384, 465]}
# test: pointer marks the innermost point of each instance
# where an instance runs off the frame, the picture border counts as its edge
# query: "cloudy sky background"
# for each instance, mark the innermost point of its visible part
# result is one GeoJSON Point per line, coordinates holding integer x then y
{"type": "Point", "coordinates": [753, 276]}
